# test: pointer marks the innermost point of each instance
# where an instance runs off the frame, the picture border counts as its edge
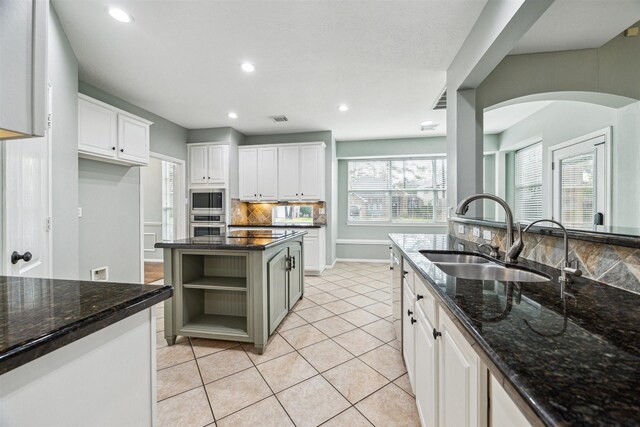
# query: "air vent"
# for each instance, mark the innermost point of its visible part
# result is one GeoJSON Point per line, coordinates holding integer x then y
{"type": "Point", "coordinates": [424, 128]}
{"type": "Point", "coordinates": [441, 103]}
{"type": "Point", "coordinates": [279, 119]}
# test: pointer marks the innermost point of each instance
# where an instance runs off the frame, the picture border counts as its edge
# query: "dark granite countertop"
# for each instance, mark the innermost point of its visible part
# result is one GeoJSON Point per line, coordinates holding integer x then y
{"type": "Point", "coordinates": [38, 316]}
{"type": "Point", "coordinates": [292, 225]}
{"type": "Point", "coordinates": [571, 359]}
{"type": "Point", "coordinates": [249, 240]}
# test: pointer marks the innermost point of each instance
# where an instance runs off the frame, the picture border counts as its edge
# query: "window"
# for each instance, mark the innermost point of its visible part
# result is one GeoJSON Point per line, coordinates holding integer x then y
{"type": "Point", "coordinates": [292, 214]}
{"type": "Point", "coordinates": [399, 191]}
{"type": "Point", "coordinates": [168, 196]}
{"type": "Point", "coordinates": [528, 183]}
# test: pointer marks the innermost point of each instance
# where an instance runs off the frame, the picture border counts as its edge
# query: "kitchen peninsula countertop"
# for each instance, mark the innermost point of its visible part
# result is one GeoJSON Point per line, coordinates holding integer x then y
{"type": "Point", "coordinates": [572, 359]}
{"type": "Point", "coordinates": [38, 316]}
{"type": "Point", "coordinates": [251, 240]}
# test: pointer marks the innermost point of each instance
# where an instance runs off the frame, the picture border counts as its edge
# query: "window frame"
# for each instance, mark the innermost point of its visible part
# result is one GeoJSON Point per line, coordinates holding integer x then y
{"type": "Point", "coordinates": [390, 222]}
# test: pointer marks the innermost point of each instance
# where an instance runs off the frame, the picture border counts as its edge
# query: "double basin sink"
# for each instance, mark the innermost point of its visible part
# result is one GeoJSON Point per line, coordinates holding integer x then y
{"type": "Point", "coordinates": [465, 265]}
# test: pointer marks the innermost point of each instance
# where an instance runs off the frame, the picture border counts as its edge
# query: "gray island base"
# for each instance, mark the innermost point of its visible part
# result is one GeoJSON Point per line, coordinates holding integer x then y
{"type": "Point", "coordinates": [237, 287]}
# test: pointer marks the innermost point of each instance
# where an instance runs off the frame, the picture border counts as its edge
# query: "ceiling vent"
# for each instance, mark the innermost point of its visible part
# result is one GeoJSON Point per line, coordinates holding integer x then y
{"type": "Point", "coordinates": [441, 103]}
{"type": "Point", "coordinates": [279, 119]}
{"type": "Point", "coordinates": [425, 128]}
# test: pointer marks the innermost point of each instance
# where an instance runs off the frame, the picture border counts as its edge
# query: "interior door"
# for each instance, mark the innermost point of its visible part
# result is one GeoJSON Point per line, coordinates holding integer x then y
{"type": "Point", "coordinates": [198, 164]}
{"type": "Point", "coordinates": [26, 206]}
{"type": "Point", "coordinates": [217, 164]}
{"type": "Point", "coordinates": [580, 182]}
{"type": "Point", "coordinates": [277, 289]}
{"type": "Point", "coordinates": [295, 274]}
{"type": "Point", "coordinates": [288, 173]}
{"type": "Point", "coordinates": [268, 174]}
{"type": "Point", "coordinates": [133, 139]}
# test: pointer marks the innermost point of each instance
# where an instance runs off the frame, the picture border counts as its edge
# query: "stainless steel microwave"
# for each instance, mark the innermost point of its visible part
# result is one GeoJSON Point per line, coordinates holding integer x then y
{"type": "Point", "coordinates": [207, 201]}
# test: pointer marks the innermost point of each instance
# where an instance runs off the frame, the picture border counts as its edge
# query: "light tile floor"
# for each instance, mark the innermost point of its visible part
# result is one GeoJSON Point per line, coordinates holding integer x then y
{"type": "Point", "coordinates": [333, 361]}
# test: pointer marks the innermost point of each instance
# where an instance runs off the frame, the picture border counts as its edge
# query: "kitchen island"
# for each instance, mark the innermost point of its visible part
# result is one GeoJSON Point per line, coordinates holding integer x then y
{"type": "Point", "coordinates": [69, 348]}
{"type": "Point", "coordinates": [236, 287]}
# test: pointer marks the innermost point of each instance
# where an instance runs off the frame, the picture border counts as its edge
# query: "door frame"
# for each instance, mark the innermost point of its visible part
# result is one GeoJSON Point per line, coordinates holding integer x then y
{"type": "Point", "coordinates": [606, 133]}
{"type": "Point", "coordinates": [181, 217]}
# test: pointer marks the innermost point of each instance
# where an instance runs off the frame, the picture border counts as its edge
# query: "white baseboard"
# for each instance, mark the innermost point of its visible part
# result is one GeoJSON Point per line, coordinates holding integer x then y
{"type": "Point", "coordinates": [376, 261]}
{"type": "Point", "coordinates": [330, 266]}
{"type": "Point", "coordinates": [154, 260]}
{"type": "Point", "coordinates": [366, 242]}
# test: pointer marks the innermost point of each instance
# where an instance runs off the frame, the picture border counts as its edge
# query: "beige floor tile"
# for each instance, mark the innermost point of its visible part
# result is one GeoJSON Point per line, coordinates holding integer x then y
{"type": "Point", "coordinates": [325, 355]}
{"type": "Point", "coordinates": [236, 392]}
{"type": "Point", "coordinates": [160, 312]}
{"type": "Point", "coordinates": [314, 314]}
{"type": "Point", "coordinates": [390, 407]}
{"type": "Point", "coordinates": [179, 353]}
{"type": "Point", "coordinates": [348, 274]}
{"type": "Point", "coordinates": [266, 413]}
{"type": "Point", "coordinates": [276, 347]}
{"type": "Point", "coordinates": [362, 279]}
{"type": "Point", "coordinates": [357, 342]}
{"type": "Point", "coordinates": [362, 289]}
{"type": "Point", "coordinates": [355, 380]}
{"type": "Point", "coordinates": [177, 379]}
{"type": "Point", "coordinates": [361, 300]}
{"type": "Point", "coordinates": [343, 293]}
{"type": "Point", "coordinates": [291, 321]}
{"type": "Point", "coordinates": [381, 286]}
{"type": "Point", "coordinates": [329, 286]}
{"type": "Point", "coordinates": [308, 291]}
{"type": "Point", "coordinates": [322, 298]}
{"type": "Point", "coordinates": [386, 360]}
{"type": "Point", "coordinates": [312, 402]}
{"type": "Point", "coordinates": [303, 336]}
{"type": "Point", "coordinates": [333, 326]}
{"type": "Point", "coordinates": [379, 295]}
{"type": "Point", "coordinates": [159, 324]}
{"type": "Point", "coordinates": [203, 347]}
{"type": "Point", "coordinates": [223, 363]}
{"type": "Point", "coordinates": [304, 303]}
{"type": "Point", "coordinates": [345, 283]}
{"type": "Point", "coordinates": [395, 344]}
{"type": "Point", "coordinates": [349, 418]}
{"type": "Point", "coordinates": [286, 371]}
{"type": "Point", "coordinates": [359, 317]}
{"type": "Point", "coordinates": [339, 307]}
{"type": "Point", "coordinates": [404, 383]}
{"type": "Point", "coordinates": [186, 409]}
{"type": "Point", "coordinates": [379, 309]}
{"type": "Point", "coordinates": [160, 341]}
{"type": "Point", "coordinates": [381, 329]}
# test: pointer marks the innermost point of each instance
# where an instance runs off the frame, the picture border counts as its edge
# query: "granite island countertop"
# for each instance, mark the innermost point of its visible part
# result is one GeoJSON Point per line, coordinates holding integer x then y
{"type": "Point", "coordinates": [38, 316]}
{"type": "Point", "coordinates": [281, 225]}
{"type": "Point", "coordinates": [249, 240]}
{"type": "Point", "coordinates": [571, 359]}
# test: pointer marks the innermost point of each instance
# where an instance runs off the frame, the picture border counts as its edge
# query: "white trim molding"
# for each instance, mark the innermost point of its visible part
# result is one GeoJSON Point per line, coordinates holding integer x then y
{"type": "Point", "coordinates": [361, 242]}
{"type": "Point", "coordinates": [373, 261]}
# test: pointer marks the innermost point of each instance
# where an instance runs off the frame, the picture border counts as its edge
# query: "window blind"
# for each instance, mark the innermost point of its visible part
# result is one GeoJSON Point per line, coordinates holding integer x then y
{"type": "Point", "coordinates": [578, 192]}
{"type": "Point", "coordinates": [397, 191]}
{"type": "Point", "coordinates": [168, 208]}
{"type": "Point", "coordinates": [528, 183]}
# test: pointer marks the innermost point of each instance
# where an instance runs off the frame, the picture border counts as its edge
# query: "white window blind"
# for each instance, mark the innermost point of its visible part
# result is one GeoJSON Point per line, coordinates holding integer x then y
{"type": "Point", "coordinates": [528, 183]}
{"type": "Point", "coordinates": [397, 191]}
{"type": "Point", "coordinates": [168, 208]}
{"type": "Point", "coordinates": [578, 190]}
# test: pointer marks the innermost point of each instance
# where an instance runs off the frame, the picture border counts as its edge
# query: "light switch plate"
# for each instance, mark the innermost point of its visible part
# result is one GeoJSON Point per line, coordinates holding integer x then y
{"type": "Point", "coordinates": [79, 212]}
{"type": "Point", "coordinates": [486, 234]}
{"type": "Point", "coordinates": [461, 228]}
{"type": "Point", "coordinates": [476, 231]}
{"type": "Point", "coordinates": [321, 211]}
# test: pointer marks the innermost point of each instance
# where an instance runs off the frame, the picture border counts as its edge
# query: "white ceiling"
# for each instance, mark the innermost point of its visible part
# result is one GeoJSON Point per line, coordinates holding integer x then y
{"type": "Point", "coordinates": [500, 119]}
{"type": "Point", "coordinates": [180, 59]}
{"type": "Point", "coordinates": [578, 24]}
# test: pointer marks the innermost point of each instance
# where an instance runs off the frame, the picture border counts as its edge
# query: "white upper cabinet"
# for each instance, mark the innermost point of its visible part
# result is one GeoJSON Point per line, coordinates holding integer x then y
{"type": "Point", "coordinates": [208, 164]}
{"type": "Point", "coordinates": [109, 134]}
{"type": "Point", "coordinates": [288, 185]}
{"type": "Point", "coordinates": [282, 172]}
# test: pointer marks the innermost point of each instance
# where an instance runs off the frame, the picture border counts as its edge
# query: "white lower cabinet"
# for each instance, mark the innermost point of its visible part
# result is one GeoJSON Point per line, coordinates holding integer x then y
{"type": "Point", "coordinates": [504, 411]}
{"type": "Point", "coordinates": [426, 370]}
{"type": "Point", "coordinates": [408, 332]}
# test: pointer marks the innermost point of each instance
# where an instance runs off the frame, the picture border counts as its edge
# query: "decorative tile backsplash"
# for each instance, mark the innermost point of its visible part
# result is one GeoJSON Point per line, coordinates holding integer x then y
{"type": "Point", "coordinates": [617, 266]}
{"type": "Point", "coordinates": [260, 213]}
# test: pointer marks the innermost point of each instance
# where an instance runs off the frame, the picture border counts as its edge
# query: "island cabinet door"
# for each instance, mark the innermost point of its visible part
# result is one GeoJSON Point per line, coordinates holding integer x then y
{"type": "Point", "coordinates": [277, 295]}
{"type": "Point", "coordinates": [295, 275]}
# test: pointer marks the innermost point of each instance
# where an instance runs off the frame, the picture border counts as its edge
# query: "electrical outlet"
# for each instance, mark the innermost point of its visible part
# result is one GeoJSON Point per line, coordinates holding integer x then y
{"type": "Point", "coordinates": [486, 234]}
{"type": "Point", "coordinates": [461, 228]}
{"type": "Point", "coordinates": [476, 231]}
{"type": "Point", "coordinates": [79, 212]}
{"type": "Point", "coordinates": [100, 274]}
{"type": "Point", "coordinates": [321, 211]}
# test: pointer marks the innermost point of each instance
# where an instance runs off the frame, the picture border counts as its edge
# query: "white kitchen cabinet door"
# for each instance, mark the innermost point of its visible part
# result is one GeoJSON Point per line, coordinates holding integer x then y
{"type": "Point", "coordinates": [408, 333]}
{"type": "Point", "coordinates": [248, 174]}
{"type": "Point", "coordinates": [426, 381]}
{"type": "Point", "coordinates": [311, 169]}
{"type": "Point", "coordinates": [462, 384]}
{"type": "Point", "coordinates": [268, 174]}
{"type": "Point", "coordinates": [217, 160]}
{"type": "Point", "coordinates": [311, 252]}
{"type": "Point", "coordinates": [97, 129]}
{"type": "Point", "coordinates": [288, 173]}
{"type": "Point", "coordinates": [504, 411]}
{"type": "Point", "coordinates": [198, 164]}
{"type": "Point", "coordinates": [133, 140]}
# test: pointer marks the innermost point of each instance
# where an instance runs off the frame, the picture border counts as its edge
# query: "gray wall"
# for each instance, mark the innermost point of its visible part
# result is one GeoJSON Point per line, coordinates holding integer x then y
{"type": "Point", "coordinates": [152, 182]}
{"type": "Point", "coordinates": [63, 75]}
{"type": "Point", "coordinates": [110, 198]}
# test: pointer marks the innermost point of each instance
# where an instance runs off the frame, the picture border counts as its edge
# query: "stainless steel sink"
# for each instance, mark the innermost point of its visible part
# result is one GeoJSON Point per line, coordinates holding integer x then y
{"type": "Point", "coordinates": [452, 257]}
{"type": "Point", "coordinates": [491, 271]}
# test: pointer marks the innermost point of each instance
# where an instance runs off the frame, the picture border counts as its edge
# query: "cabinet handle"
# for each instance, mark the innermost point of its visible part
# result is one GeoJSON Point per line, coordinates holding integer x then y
{"type": "Point", "coordinates": [113, 148]}
{"type": "Point", "coordinates": [296, 194]}
{"type": "Point", "coordinates": [293, 260]}
{"type": "Point", "coordinates": [409, 312]}
{"type": "Point", "coordinates": [436, 334]}
{"type": "Point", "coordinates": [413, 320]}
{"type": "Point", "coordinates": [122, 150]}
{"type": "Point", "coordinates": [209, 178]}
{"type": "Point", "coordinates": [302, 194]}
{"type": "Point", "coordinates": [404, 273]}
{"type": "Point", "coordinates": [419, 297]}
{"type": "Point", "coordinates": [261, 195]}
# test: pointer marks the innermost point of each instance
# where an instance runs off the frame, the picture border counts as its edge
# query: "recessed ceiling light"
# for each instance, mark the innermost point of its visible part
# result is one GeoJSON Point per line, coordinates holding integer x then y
{"type": "Point", "coordinates": [232, 115]}
{"type": "Point", "coordinates": [248, 67]}
{"type": "Point", "coordinates": [343, 107]}
{"type": "Point", "coordinates": [120, 15]}
{"type": "Point", "coordinates": [426, 123]}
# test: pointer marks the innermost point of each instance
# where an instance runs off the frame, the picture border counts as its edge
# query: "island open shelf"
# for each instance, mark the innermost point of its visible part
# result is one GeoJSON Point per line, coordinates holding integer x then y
{"type": "Point", "coordinates": [214, 311]}
{"type": "Point", "coordinates": [214, 272]}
